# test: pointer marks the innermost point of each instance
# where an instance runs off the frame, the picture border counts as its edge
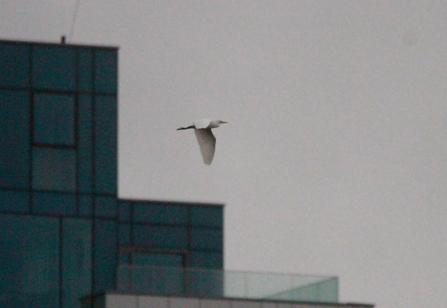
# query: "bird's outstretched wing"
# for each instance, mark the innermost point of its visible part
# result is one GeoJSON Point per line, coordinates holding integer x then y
{"type": "Point", "coordinates": [207, 144]}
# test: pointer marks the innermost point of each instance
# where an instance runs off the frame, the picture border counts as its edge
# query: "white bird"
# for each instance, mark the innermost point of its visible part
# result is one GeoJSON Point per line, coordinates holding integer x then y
{"type": "Point", "coordinates": [205, 137]}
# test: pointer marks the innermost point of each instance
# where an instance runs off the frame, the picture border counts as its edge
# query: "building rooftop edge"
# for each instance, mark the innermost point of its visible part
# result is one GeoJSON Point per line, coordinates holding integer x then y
{"type": "Point", "coordinates": [173, 202]}
{"type": "Point", "coordinates": [56, 44]}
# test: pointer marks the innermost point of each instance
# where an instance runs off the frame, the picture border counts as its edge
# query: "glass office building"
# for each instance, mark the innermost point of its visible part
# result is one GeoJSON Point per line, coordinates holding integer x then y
{"type": "Point", "coordinates": [64, 234]}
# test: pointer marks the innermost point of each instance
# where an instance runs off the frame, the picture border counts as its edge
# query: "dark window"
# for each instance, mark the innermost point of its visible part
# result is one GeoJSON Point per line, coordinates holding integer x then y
{"type": "Point", "coordinates": [54, 169]}
{"type": "Point", "coordinates": [54, 203]}
{"type": "Point", "coordinates": [54, 119]}
{"type": "Point", "coordinates": [105, 144]}
{"type": "Point", "coordinates": [14, 139]}
{"type": "Point", "coordinates": [206, 259]}
{"type": "Point", "coordinates": [158, 259]}
{"type": "Point", "coordinates": [105, 258]}
{"type": "Point", "coordinates": [54, 68]}
{"type": "Point", "coordinates": [14, 201]}
{"type": "Point", "coordinates": [160, 213]}
{"type": "Point", "coordinates": [206, 239]}
{"type": "Point", "coordinates": [76, 261]}
{"type": "Point", "coordinates": [124, 259]}
{"type": "Point", "coordinates": [14, 65]}
{"type": "Point", "coordinates": [85, 144]}
{"type": "Point", "coordinates": [29, 261]}
{"type": "Point", "coordinates": [206, 216]}
{"type": "Point", "coordinates": [85, 205]}
{"type": "Point", "coordinates": [106, 71]}
{"type": "Point", "coordinates": [124, 234]}
{"type": "Point", "coordinates": [105, 207]}
{"type": "Point", "coordinates": [160, 237]}
{"type": "Point", "coordinates": [85, 70]}
{"type": "Point", "coordinates": [124, 211]}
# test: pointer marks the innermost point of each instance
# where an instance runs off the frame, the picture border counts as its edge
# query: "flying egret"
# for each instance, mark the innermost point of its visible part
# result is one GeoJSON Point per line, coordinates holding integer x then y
{"type": "Point", "coordinates": [205, 137]}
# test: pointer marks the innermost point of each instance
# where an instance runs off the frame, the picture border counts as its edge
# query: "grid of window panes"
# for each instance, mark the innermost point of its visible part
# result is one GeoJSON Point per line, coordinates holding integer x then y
{"type": "Point", "coordinates": [170, 234]}
{"type": "Point", "coordinates": [58, 118]}
{"type": "Point", "coordinates": [63, 231]}
{"type": "Point", "coordinates": [58, 167]}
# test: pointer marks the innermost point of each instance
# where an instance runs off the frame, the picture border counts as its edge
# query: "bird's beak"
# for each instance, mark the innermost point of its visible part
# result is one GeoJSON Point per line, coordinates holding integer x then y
{"type": "Point", "coordinates": [223, 122]}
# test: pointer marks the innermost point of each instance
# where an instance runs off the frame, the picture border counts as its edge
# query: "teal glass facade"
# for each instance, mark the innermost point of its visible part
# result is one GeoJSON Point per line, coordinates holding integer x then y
{"type": "Point", "coordinates": [63, 231]}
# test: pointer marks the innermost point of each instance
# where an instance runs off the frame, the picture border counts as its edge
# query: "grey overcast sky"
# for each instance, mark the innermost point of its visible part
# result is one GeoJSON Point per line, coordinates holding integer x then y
{"type": "Point", "coordinates": [334, 161]}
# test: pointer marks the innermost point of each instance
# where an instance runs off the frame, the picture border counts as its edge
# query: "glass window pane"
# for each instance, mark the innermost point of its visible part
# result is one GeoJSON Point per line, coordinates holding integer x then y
{"type": "Point", "coordinates": [54, 119]}
{"type": "Point", "coordinates": [85, 144]}
{"type": "Point", "coordinates": [160, 237]}
{"type": "Point", "coordinates": [124, 211]}
{"type": "Point", "coordinates": [14, 139]}
{"type": "Point", "coordinates": [54, 203]}
{"type": "Point", "coordinates": [106, 70]}
{"type": "Point", "coordinates": [105, 257]}
{"type": "Point", "coordinates": [54, 68]}
{"type": "Point", "coordinates": [158, 259]}
{"type": "Point", "coordinates": [54, 169]}
{"type": "Point", "coordinates": [207, 216]}
{"type": "Point", "coordinates": [206, 239]}
{"type": "Point", "coordinates": [76, 261]}
{"type": "Point", "coordinates": [29, 261]}
{"type": "Point", "coordinates": [105, 144]}
{"type": "Point", "coordinates": [206, 259]}
{"type": "Point", "coordinates": [14, 201]}
{"type": "Point", "coordinates": [85, 205]}
{"type": "Point", "coordinates": [14, 64]}
{"type": "Point", "coordinates": [105, 207]}
{"type": "Point", "coordinates": [124, 258]}
{"type": "Point", "coordinates": [85, 70]}
{"type": "Point", "coordinates": [160, 213]}
{"type": "Point", "coordinates": [124, 236]}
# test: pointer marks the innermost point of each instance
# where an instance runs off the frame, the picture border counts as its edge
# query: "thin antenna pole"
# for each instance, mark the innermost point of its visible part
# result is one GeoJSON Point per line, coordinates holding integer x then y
{"type": "Point", "coordinates": [75, 14]}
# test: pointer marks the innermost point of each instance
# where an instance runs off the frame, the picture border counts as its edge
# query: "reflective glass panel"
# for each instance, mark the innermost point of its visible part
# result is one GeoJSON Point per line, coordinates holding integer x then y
{"type": "Point", "coordinates": [106, 71]}
{"type": "Point", "coordinates": [85, 205]}
{"type": "Point", "coordinates": [105, 144]}
{"type": "Point", "coordinates": [124, 258]}
{"type": "Point", "coordinates": [160, 213]}
{"type": "Point", "coordinates": [14, 139]}
{"type": "Point", "coordinates": [29, 261]}
{"type": "Point", "coordinates": [105, 255]}
{"type": "Point", "coordinates": [124, 211]}
{"type": "Point", "coordinates": [206, 239]}
{"type": "Point", "coordinates": [105, 207]}
{"type": "Point", "coordinates": [206, 259]}
{"type": "Point", "coordinates": [54, 203]}
{"type": "Point", "coordinates": [158, 259]}
{"type": "Point", "coordinates": [85, 70]}
{"type": "Point", "coordinates": [161, 237]}
{"type": "Point", "coordinates": [14, 201]}
{"type": "Point", "coordinates": [85, 144]}
{"type": "Point", "coordinates": [14, 64]}
{"type": "Point", "coordinates": [54, 169]}
{"type": "Point", "coordinates": [54, 119]}
{"type": "Point", "coordinates": [54, 68]}
{"type": "Point", "coordinates": [124, 236]}
{"type": "Point", "coordinates": [76, 261]}
{"type": "Point", "coordinates": [207, 216]}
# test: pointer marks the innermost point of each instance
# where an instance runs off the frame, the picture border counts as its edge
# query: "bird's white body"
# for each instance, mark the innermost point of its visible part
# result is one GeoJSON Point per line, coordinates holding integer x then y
{"type": "Point", "coordinates": [205, 138]}
{"type": "Point", "coordinates": [206, 123]}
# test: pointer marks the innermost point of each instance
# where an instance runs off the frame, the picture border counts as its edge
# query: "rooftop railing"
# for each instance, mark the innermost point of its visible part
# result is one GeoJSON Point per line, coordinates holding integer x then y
{"type": "Point", "coordinates": [229, 284]}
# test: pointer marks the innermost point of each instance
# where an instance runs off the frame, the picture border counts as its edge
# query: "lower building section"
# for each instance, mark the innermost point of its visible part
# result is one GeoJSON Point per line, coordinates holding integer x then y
{"type": "Point", "coordinates": [135, 301]}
